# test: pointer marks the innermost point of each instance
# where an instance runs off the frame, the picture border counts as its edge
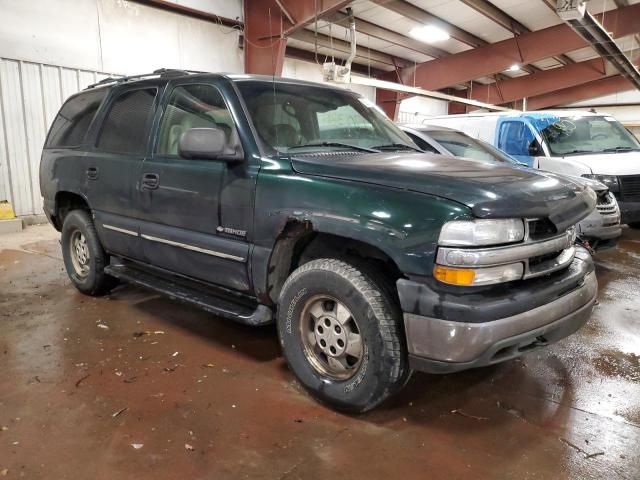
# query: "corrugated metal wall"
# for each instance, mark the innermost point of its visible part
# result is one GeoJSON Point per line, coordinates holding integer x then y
{"type": "Point", "coordinates": [30, 96]}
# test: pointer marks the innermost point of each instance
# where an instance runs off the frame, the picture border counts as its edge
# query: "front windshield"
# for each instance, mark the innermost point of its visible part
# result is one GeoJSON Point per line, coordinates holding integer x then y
{"type": "Point", "coordinates": [587, 135]}
{"type": "Point", "coordinates": [461, 145]}
{"type": "Point", "coordinates": [306, 118]}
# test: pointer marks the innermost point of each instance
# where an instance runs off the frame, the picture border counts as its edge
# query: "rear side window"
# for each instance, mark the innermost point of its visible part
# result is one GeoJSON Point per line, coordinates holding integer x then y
{"type": "Point", "coordinates": [126, 126]}
{"type": "Point", "coordinates": [72, 122]}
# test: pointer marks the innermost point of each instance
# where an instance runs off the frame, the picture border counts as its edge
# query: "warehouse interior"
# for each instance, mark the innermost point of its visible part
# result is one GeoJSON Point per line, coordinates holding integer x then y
{"type": "Point", "coordinates": [135, 384]}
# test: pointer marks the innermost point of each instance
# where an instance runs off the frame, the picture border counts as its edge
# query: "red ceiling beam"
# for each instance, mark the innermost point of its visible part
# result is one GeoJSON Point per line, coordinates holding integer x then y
{"type": "Point", "coordinates": [268, 23]}
{"type": "Point", "coordinates": [304, 11]}
{"type": "Point", "coordinates": [599, 88]}
{"type": "Point", "coordinates": [526, 48]}
{"type": "Point", "coordinates": [504, 91]}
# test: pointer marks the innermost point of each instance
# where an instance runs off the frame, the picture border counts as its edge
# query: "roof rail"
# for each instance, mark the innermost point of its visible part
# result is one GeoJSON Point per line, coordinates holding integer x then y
{"type": "Point", "coordinates": [161, 72]}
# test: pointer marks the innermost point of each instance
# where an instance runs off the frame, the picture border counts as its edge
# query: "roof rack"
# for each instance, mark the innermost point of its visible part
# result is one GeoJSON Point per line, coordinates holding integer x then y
{"type": "Point", "coordinates": [161, 72]}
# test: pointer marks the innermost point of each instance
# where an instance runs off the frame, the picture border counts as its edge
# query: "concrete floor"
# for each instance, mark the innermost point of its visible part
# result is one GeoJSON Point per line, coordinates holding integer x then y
{"type": "Point", "coordinates": [84, 380]}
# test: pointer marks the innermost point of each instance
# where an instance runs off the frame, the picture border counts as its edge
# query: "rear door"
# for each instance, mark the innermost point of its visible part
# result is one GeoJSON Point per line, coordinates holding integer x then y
{"type": "Point", "coordinates": [198, 213]}
{"type": "Point", "coordinates": [113, 166]}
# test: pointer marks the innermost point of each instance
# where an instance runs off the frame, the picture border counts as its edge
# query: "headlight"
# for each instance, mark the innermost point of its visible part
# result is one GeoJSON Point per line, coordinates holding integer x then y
{"type": "Point", "coordinates": [476, 233]}
{"type": "Point", "coordinates": [610, 181]}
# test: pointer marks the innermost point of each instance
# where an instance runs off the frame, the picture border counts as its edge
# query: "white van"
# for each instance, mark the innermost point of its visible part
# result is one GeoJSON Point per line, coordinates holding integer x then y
{"type": "Point", "coordinates": [576, 143]}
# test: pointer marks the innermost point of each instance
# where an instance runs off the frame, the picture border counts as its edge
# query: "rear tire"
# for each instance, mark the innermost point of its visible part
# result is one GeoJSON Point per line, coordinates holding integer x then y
{"type": "Point", "coordinates": [342, 336]}
{"type": "Point", "coordinates": [84, 257]}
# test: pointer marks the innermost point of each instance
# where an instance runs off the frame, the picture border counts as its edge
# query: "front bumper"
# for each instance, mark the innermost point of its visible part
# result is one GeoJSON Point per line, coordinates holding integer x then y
{"type": "Point", "coordinates": [463, 331]}
{"type": "Point", "coordinates": [602, 224]}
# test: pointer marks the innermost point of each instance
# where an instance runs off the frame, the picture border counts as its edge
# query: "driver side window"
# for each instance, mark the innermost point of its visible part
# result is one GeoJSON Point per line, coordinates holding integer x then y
{"type": "Point", "coordinates": [192, 106]}
{"type": "Point", "coordinates": [515, 138]}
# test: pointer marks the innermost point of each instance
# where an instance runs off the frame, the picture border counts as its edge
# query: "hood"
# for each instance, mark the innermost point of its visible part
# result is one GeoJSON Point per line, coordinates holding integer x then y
{"type": "Point", "coordinates": [595, 185]}
{"type": "Point", "coordinates": [624, 163]}
{"type": "Point", "coordinates": [490, 190]}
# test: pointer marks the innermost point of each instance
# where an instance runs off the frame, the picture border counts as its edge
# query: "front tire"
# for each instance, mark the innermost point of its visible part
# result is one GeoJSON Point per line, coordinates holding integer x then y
{"type": "Point", "coordinates": [84, 257]}
{"type": "Point", "coordinates": [634, 225]}
{"type": "Point", "coordinates": [341, 334]}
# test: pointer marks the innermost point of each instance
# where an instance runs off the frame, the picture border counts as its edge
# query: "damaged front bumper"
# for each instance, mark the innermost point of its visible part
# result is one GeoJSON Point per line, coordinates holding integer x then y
{"type": "Point", "coordinates": [448, 330]}
{"type": "Point", "coordinates": [602, 227]}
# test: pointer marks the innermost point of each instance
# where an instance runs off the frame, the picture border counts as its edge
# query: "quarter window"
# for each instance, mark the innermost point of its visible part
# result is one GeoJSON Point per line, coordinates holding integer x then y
{"type": "Point", "coordinates": [126, 127]}
{"type": "Point", "coordinates": [193, 106]}
{"type": "Point", "coordinates": [72, 122]}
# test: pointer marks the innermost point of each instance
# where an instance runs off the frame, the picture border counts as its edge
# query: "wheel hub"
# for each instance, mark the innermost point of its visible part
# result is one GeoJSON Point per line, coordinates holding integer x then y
{"type": "Point", "coordinates": [80, 256]}
{"type": "Point", "coordinates": [331, 337]}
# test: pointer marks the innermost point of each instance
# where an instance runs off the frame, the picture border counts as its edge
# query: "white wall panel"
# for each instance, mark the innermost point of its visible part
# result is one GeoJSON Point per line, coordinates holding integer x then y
{"type": "Point", "coordinates": [416, 109]}
{"type": "Point", "coordinates": [225, 8]}
{"type": "Point", "coordinates": [206, 48]}
{"type": "Point", "coordinates": [51, 92]}
{"type": "Point", "coordinates": [15, 137]}
{"type": "Point", "coordinates": [119, 36]}
{"type": "Point", "coordinates": [31, 96]}
{"type": "Point", "coordinates": [59, 32]}
{"type": "Point", "coordinates": [312, 72]}
{"type": "Point", "coordinates": [35, 126]}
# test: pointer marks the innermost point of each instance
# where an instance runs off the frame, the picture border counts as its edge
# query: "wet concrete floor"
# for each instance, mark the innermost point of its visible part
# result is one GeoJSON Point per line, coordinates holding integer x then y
{"type": "Point", "coordinates": [136, 386]}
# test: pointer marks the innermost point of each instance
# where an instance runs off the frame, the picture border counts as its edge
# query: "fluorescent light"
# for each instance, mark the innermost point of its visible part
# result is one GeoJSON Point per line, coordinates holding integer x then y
{"type": "Point", "coordinates": [429, 34]}
{"type": "Point", "coordinates": [514, 68]}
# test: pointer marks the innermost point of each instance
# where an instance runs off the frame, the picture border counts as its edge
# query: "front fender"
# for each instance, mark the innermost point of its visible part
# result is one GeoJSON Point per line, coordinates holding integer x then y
{"type": "Point", "coordinates": [404, 225]}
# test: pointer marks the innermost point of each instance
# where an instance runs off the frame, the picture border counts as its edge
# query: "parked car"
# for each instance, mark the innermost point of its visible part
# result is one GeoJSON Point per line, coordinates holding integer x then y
{"type": "Point", "coordinates": [601, 229]}
{"type": "Point", "coordinates": [259, 199]}
{"type": "Point", "coordinates": [570, 142]}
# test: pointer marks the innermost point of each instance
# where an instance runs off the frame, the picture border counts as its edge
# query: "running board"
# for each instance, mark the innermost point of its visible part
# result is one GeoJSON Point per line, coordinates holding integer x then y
{"type": "Point", "coordinates": [192, 293]}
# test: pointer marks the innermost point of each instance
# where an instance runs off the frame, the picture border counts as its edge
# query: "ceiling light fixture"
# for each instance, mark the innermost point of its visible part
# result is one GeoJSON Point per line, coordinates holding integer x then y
{"type": "Point", "coordinates": [429, 34]}
{"type": "Point", "coordinates": [514, 68]}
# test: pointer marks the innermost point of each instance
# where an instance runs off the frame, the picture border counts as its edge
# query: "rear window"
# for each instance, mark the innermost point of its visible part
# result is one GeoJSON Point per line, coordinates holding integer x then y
{"type": "Point", "coordinates": [72, 122]}
{"type": "Point", "coordinates": [126, 126]}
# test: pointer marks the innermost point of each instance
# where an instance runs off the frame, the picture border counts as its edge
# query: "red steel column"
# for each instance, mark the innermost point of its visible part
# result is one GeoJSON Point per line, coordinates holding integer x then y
{"type": "Point", "coordinates": [263, 45]}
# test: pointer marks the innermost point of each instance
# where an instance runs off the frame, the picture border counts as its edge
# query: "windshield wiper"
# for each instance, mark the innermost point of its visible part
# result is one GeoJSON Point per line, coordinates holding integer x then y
{"type": "Point", "coordinates": [574, 152]}
{"type": "Point", "coordinates": [396, 146]}
{"type": "Point", "coordinates": [621, 149]}
{"type": "Point", "coordinates": [334, 144]}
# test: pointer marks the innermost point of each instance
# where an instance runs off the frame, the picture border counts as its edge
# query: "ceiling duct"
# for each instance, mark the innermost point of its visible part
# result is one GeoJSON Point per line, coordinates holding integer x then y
{"type": "Point", "coordinates": [338, 73]}
{"type": "Point", "coordinates": [575, 14]}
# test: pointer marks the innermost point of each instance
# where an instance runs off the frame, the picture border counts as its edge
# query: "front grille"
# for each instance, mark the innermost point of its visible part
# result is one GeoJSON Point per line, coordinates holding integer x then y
{"type": "Point", "coordinates": [604, 198]}
{"type": "Point", "coordinates": [535, 261]}
{"type": "Point", "coordinates": [630, 188]}
{"type": "Point", "coordinates": [606, 205]}
{"type": "Point", "coordinates": [541, 228]}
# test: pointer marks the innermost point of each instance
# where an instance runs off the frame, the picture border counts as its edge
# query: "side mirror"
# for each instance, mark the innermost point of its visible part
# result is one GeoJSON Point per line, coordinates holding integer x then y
{"type": "Point", "coordinates": [535, 149]}
{"type": "Point", "coordinates": [210, 144]}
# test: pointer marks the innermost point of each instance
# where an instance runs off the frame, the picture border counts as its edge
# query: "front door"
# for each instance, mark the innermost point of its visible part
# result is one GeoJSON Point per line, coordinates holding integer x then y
{"type": "Point", "coordinates": [184, 229]}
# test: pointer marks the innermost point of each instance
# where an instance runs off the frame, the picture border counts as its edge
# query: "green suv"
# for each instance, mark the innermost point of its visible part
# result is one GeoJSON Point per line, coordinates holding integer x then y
{"type": "Point", "coordinates": [262, 199]}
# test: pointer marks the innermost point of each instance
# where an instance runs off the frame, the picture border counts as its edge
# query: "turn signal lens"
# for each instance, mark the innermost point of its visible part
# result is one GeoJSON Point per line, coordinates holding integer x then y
{"type": "Point", "coordinates": [479, 276]}
{"type": "Point", "coordinates": [454, 276]}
